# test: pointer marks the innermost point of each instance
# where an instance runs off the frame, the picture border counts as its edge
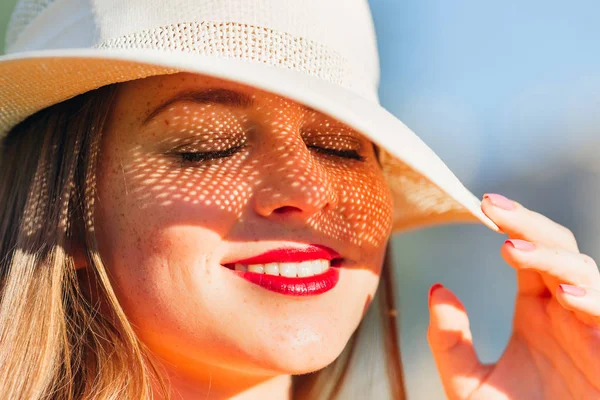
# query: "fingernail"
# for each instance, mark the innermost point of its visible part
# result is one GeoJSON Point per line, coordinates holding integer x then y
{"type": "Point", "coordinates": [432, 289]}
{"type": "Point", "coordinates": [572, 290]}
{"type": "Point", "coordinates": [499, 201]}
{"type": "Point", "coordinates": [519, 244]}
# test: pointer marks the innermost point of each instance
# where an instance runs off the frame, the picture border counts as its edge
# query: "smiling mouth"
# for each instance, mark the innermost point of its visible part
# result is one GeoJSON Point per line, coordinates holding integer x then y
{"type": "Point", "coordinates": [292, 271]}
{"type": "Point", "coordinates": [269, 276]}
{"type": "Point", "coordinates": [289, 269]}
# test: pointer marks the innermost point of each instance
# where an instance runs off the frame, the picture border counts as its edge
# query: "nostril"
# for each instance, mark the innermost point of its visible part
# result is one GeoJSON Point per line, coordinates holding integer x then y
{"type": "Point", "coordinates": [286, 209]}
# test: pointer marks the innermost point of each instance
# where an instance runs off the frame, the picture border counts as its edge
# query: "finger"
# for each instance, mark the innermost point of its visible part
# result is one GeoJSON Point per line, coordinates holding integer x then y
{"type": "Point", "coordinates": [450, 341]}
{"type": "Point", "coordinates": [583, 301]}
{"type": "Point", "coordinates": [580, 340]}
{"type": "Point", "coordinates": [531, 283]}
{"type": "Point", "coordinates": [562, 265]}
{"type": "Point", "coordinates": [521, 223]}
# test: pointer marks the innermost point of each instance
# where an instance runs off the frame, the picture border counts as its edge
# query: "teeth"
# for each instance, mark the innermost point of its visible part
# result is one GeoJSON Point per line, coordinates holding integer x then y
{"type": "Point", "coordinates": [256, 268]}
{"type": "Point", "coordinates": [288, 269]}
{"type": "Point", "coordinates": [291, 270]}
{"type": "Point", "coordinates": [319, 266]}
{"type": "Point", "coordinates": [272, 269]}
{"type": "Point", "coordinates": [309, 268]}
{"type": "Point", "coordinates": [241, 267]}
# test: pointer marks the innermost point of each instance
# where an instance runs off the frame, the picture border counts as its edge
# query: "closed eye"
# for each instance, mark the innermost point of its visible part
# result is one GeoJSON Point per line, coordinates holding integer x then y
{"type": "Point", "coordinates": [197, 156]}
{"type": "Point", "coordinates": [191, 156]}
{"type": "Point", "coordinates": [352, 154]}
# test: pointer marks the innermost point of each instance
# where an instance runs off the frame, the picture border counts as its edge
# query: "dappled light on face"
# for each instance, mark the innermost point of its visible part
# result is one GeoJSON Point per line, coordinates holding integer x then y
{"type": "Point", "coordinates": [170, 173]}
{"type": "Point", "coordinates": [273, 165]}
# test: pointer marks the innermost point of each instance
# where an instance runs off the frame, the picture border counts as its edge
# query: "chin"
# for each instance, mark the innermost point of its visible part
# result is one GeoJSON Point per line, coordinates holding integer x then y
{"type": "Point", "coordinates": [301, 357]}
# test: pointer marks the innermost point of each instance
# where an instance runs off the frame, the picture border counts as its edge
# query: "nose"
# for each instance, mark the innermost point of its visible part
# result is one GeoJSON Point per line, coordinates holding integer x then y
{"type": "Point", "coordinates": [294, 184]}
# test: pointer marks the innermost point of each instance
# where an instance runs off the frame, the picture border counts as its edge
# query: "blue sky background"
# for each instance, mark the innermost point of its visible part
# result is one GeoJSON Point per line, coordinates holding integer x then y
{"type": "Point", "coordinates": [508, 94]}
{"type": "Point", "coordinates": [504, 83]}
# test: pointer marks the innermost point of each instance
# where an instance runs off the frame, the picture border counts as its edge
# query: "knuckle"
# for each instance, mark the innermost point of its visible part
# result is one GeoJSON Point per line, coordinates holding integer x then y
{"type": "Point", "coordinates": [569, 235]}
{"type": "Point", "coordinates": [588, 260]}
{"type": "Point", "coordinates": [528, 263]}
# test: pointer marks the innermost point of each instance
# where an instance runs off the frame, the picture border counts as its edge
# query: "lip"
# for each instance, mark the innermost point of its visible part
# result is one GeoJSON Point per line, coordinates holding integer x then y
{"type": "Point", "coordinates": [290, 254]}
{"type": "Point", "coordinates": [299, 286]}
{"type": "Point", "coordinates": [306, 286]}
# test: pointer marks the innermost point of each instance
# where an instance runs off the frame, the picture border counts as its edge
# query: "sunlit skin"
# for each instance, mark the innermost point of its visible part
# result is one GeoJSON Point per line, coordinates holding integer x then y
{"type": "Point", "coordinates": [554, 350]}
{"type": "Point", "coordinates": [165, 224]}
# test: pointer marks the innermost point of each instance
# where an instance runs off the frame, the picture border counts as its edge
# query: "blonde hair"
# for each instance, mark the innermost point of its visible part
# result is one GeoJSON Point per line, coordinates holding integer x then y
{"type": "Point", "coordinates": [58, 343]}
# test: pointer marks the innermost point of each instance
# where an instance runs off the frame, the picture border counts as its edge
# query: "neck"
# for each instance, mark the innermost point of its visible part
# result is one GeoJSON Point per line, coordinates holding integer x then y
{"type": "Point", "coordinates": [210, 383]}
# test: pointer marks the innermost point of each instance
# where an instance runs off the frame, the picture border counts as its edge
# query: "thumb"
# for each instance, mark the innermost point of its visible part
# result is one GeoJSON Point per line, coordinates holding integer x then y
{"type": "Point", "coordinates": [451, 344]}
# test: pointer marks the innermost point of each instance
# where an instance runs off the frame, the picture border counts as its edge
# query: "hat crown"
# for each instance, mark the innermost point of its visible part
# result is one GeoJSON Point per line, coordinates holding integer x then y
{"type": "Point", "coordinates": [336, 38]}
{"type": "Point", "coordinates": [62, 48]}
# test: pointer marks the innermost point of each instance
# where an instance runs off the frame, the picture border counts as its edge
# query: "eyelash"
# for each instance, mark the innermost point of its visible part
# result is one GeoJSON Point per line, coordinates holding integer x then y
{"type": "Point", "coordinates": [191, 156]}
{"type": "Point", "coordinates": [212, 155]}
{"type": "Point", "coordinates": [351, 154]}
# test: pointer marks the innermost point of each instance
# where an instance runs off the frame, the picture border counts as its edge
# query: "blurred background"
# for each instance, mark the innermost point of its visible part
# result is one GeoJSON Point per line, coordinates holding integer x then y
{"type": "Point", "coordinates": [507, 94]}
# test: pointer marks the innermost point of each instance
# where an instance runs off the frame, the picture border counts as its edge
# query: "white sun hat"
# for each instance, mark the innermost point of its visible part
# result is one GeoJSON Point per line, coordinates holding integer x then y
{"type": "Point", "coordinates": [322, 53]}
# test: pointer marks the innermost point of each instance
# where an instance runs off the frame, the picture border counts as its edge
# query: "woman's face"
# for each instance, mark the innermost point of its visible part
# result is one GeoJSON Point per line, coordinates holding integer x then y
{"type": "Point", "coordinates": [169, 223]}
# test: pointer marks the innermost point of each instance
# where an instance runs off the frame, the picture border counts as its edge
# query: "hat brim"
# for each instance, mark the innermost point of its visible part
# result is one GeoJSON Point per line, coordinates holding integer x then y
{"type": "Point", "coordinates": [424, 190]}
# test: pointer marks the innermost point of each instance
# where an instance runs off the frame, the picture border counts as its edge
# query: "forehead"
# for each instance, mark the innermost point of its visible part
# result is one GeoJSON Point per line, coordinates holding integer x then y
{"type": "Point", "coordinates": [174, 82]}
{"type": "Point", "coordinates": [156, 93]}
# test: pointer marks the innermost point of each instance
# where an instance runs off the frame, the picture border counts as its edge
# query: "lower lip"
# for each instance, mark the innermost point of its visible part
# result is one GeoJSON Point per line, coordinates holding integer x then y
{"type": "Point", "coordinates": [305, 286]}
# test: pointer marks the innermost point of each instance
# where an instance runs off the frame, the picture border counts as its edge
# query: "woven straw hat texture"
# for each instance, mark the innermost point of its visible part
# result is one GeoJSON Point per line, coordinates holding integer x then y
{"type": "Point", "coordinates": [322, 53]}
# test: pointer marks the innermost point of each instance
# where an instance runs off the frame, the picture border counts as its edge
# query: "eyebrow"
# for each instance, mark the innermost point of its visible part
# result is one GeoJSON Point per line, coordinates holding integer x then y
{"type": "Point", "coordinates": [220, 96]}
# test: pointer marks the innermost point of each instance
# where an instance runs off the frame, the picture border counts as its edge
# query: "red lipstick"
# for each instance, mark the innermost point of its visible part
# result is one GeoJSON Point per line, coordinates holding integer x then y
{"type": "Point", "coordinates": [298, 286]}
{"type": "Point", "coordinates": [291, 254]}
{"type": "Point", "coordinates": [305, 286]}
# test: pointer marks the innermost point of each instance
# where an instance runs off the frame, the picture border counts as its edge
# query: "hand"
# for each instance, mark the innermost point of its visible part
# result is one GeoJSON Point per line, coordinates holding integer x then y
{"type": "Point", "coordinates": [554, 349]}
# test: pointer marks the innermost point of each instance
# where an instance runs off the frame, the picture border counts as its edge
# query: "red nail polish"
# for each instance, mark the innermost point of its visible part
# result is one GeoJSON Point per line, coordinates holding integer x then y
{"type": "Point", "coordinates": [432, 289]}
{"type": "Point", "coordinates": [499, 201]}
{"type": "Point", "coordinates": [519, 244]}
{"type": "Point", "coordinates": [572, 290]}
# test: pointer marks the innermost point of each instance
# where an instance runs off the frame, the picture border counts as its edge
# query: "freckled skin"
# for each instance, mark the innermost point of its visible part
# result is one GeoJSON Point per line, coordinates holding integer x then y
{"type": "Point", "coordinates": [165, 225]}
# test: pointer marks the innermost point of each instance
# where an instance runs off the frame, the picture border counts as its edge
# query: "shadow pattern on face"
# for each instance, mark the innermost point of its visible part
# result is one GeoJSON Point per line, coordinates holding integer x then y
{"type": "Point", "coordinates": [247, 164]}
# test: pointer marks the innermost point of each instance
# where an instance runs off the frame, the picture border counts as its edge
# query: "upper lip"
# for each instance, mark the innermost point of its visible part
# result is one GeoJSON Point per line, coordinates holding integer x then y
{"type": "Point", "coordinates": [291, 254]}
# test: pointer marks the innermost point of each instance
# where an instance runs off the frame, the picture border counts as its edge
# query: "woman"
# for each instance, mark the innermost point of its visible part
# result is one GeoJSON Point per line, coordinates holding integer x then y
{"type": "Point", "coordinates": [219, 228]}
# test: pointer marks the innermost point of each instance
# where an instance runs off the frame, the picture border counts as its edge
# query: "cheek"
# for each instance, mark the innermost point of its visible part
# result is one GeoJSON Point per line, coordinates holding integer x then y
{"type": "Point", "coordinates": [211, 196]}
{"type": "Point", "coordinates": [151, 245]}
{"type": "Point", "coordinates": [374, 204]}
{"type": "Point", "coordinates": [364, 211]}
{"type": "Point", "coordinates": [160, 261]}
